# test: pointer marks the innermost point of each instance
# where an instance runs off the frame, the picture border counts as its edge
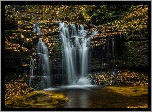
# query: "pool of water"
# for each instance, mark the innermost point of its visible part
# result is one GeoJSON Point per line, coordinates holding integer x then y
{"type": "Point", "coordinates": [78, 95]}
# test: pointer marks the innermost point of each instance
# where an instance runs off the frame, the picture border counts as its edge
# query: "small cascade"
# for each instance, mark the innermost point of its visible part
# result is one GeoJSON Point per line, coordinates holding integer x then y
{"type": "Point", "coordinates": [41, 78]}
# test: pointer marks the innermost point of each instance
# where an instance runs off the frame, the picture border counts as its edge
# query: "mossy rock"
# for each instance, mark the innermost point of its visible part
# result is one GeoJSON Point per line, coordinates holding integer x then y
{"type": "Point", "coordinates": [38, 99]}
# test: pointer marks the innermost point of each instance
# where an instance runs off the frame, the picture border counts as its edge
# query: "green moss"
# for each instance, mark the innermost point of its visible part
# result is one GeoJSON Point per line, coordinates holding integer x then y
{"type": "Point", "coordinates": [120, 97]}
{"type": "Point", "coordinates": [129, 91]}
{"type": "Point", "coordinates": [37, 99]}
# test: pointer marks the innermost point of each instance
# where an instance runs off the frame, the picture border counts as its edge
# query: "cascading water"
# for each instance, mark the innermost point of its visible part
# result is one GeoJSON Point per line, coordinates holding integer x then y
{"type": "Point", "coordinates": [75, 49]}
{"type": "Point", "coordinates": [43, 59]}
{"type": "Point", "coordinates": [41, 78]}
{"type": "Point", "coordinates": [32, 65]}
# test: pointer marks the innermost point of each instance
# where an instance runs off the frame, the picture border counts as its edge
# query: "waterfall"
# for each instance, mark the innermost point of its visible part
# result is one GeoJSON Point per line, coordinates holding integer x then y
{"type": "Point", "coordinates": [41, 78]}
{"type": "Point", "coordinates": [75, 50]}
